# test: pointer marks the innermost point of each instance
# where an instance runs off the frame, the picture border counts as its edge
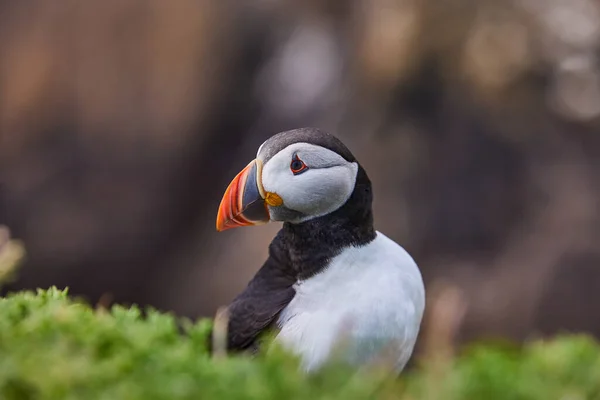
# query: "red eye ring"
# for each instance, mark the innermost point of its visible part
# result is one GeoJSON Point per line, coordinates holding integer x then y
{"type": "Point", "coordinates": [297, 165]}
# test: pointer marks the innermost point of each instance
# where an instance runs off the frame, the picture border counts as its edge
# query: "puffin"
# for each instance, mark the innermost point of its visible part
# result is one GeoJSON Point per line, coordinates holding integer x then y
{"type": "Point", "coordinates": [332, 285]}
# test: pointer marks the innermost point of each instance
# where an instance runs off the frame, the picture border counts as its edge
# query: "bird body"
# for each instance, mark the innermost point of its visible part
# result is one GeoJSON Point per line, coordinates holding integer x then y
{"type": "Point", "coordinates": [370, 295]}
{"type": "Point", "coordinates": [330, 276]}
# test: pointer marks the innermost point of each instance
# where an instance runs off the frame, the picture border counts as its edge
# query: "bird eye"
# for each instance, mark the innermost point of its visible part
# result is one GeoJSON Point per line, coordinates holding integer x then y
{"type": "Point", "coordinates": [297, 166]}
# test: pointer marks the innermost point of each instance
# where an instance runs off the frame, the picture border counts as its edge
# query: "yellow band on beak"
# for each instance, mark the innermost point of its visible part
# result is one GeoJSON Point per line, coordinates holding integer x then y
{"type": "Point", "coordinates": [273, 199]}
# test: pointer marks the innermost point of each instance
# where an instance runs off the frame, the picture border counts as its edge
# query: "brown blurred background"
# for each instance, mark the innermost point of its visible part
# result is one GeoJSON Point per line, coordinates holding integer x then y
{"type": "Point", "coordinates": [478, 121]}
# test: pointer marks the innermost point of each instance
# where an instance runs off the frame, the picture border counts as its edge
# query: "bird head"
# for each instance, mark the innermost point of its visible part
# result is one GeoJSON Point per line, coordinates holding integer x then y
{"type": "Point", "coordinates": [296, 176]}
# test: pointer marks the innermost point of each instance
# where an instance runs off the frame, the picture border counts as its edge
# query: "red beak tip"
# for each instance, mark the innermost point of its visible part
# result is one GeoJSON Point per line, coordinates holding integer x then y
{"type": "Point", "coordinates": [222, 224]}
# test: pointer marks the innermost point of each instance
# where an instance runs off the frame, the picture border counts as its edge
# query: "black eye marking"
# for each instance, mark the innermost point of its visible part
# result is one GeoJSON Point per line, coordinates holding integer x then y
{"type": "Point", "coordinates": [297, 165]}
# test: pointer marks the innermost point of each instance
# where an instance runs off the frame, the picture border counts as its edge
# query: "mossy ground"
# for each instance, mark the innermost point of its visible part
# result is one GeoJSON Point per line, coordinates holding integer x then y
{"type": "Point", "coordinates": [53, 347]}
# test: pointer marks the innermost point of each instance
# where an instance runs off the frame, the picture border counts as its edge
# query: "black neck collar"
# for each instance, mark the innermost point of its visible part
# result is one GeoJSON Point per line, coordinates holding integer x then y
{"type": "Point", "coordinates": [313, 243]}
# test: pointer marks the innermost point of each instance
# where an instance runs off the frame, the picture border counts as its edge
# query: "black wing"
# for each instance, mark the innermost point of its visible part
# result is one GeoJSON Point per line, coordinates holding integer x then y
{"type": "Point", "coordinates": [267, 294]}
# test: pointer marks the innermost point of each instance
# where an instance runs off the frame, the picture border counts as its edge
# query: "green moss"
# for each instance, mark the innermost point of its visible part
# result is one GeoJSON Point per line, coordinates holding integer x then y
{"type": "Point", "coordinates": [52, 347]}
{"type": "Point", "coordinates": [566, 367]}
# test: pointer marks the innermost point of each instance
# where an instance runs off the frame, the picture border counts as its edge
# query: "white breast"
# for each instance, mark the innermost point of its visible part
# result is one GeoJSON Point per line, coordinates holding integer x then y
{"type": "Point", "coordinates": [371, 296]}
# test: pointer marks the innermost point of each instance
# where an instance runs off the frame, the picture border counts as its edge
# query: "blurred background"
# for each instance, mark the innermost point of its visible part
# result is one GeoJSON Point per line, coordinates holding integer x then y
{"type": "Point", "coordinates": [478, 121]}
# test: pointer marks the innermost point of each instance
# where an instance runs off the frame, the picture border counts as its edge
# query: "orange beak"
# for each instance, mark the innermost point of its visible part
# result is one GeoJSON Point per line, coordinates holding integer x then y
{"type": "Point", "coordinates": [243, 203]}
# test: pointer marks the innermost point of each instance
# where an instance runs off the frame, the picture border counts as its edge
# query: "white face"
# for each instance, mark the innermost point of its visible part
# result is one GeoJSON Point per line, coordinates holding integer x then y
{"type": "Point", "coordinates": [321, 188]}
